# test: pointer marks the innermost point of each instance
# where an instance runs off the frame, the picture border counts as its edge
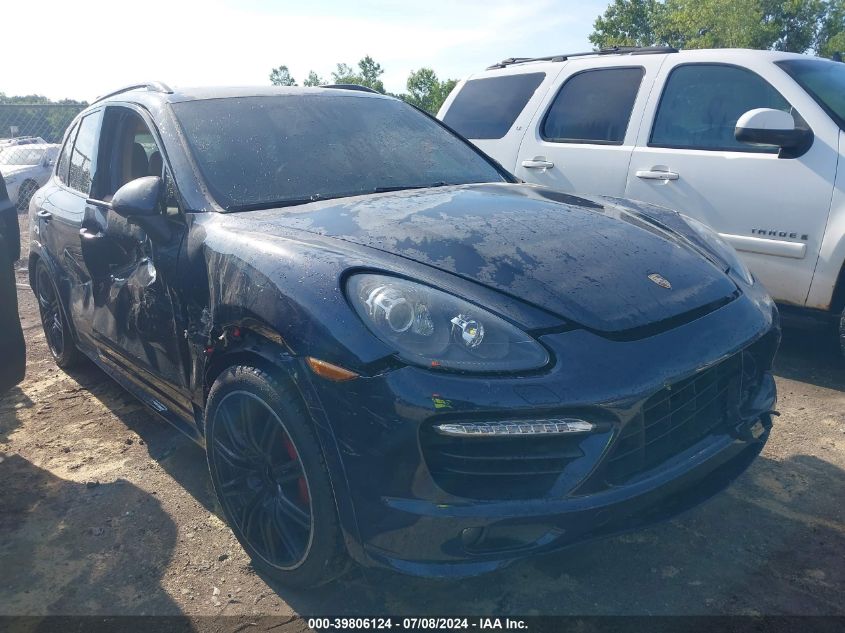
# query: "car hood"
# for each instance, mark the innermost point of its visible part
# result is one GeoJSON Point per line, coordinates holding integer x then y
{"type": "Point", "coordinates": [587, 260]}
{"type": "Point", "coordinates": [15, 170]}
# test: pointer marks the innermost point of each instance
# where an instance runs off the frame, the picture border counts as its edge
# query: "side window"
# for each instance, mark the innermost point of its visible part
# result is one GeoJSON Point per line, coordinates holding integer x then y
{"type": "Point", "coordinates": [593, 107]}
{"type": "Point", "coordinates": [64, 157]}
{"type": "Point", "coordinates": [701, 104]}
{"type": "Point", "coordinates": [487, 108]}
{"type": "Point", "coordinates": [83, 159]}
{"type": "Point", "coordinates": [132, 152]}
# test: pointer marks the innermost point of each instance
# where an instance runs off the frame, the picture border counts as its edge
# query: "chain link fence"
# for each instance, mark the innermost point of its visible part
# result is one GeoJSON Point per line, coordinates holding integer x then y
{"type": "Point", "coordinates": [29, 138]}
{"type": "Point", "coordinates": [47, 121]}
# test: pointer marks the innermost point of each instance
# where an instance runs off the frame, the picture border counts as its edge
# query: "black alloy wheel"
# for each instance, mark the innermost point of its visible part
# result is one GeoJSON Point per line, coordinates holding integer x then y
{"type": "Point", "coordinates": [262, 480]}
{"type": "Point", "coordinates": [271, 479]}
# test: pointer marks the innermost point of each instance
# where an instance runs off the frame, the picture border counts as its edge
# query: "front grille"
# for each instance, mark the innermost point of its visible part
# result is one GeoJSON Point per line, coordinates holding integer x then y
{"type": "Point", "coordinates": [678, 417]}
{"type": "Point", "coordinates": [497, 468]}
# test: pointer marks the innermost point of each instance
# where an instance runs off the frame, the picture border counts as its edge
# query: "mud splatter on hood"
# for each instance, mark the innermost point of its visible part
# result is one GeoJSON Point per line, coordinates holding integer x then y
{"type": "Point", "coordinates": [588, 260]}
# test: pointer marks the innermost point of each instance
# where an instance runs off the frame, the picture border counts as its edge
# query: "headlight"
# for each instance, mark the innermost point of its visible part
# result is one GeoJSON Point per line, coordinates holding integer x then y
{"type": "Point", "coordinates": [721, 249]}
{"type": "Point", "coordinates": [431, 328]}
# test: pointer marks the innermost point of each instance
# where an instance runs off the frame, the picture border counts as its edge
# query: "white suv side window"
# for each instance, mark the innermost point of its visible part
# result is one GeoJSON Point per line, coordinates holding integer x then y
{"type": "Point", "coordinates": [701, 104]}
{"type": "Point", "coordinates": [593, 106]}
{"type": "Point", "coordinates": [487, 108]}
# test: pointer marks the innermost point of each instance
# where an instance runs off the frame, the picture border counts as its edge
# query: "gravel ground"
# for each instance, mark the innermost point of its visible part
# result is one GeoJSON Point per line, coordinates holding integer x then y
{"type": "Point", "coordinates": [105, 509]}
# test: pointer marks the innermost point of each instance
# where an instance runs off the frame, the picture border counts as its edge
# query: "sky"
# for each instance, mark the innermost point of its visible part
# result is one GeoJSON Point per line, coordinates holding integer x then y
{"type": "Point", "coordinates": [84, 48]}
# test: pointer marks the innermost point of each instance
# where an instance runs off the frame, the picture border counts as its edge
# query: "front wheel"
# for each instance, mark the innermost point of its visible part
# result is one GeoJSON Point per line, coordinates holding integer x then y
{"type": "Point", "coordinates": [271, 478]}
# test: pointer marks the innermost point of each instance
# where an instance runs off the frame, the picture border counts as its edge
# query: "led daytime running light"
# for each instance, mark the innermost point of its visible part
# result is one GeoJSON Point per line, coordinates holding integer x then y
{"type": "Point", "coordinates": [516, 427]}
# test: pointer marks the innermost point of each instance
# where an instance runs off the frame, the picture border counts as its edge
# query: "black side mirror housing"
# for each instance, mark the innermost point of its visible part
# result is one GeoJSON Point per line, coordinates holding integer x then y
{"type": "Point", "coordinates": [138, 198]}
{"type": "Point", "coordinates": [139, 201]}
{"type": "Point", "coordinates": [765, 126]}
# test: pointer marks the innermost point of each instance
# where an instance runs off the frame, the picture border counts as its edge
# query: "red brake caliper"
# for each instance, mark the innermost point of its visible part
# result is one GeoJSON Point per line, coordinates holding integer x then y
{"type": "Point", "coordinates": [301, 485]}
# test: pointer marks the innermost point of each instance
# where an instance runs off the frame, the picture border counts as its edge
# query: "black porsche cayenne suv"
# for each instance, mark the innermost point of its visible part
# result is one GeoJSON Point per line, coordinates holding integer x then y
{"type": "Point", "coordinates": [391, 349]}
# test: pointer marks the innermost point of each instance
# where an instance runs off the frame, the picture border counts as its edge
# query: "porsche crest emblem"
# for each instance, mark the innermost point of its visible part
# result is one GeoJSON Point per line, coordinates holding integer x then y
{"type": "Point", "coordinates": [660, 280]}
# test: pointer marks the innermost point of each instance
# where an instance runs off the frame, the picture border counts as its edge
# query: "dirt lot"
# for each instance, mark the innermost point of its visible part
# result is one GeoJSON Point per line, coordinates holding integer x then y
{"type": "Point", "coordinates": [105, 509]}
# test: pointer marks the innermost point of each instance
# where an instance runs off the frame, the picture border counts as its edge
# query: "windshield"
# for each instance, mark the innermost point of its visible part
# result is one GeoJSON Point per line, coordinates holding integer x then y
{"type": "Point", "coordinates": [21, 156]}
{"type": "Point", "coordinates": [258, 152]}
{"type": "Point", "coordinates": [824, 80]}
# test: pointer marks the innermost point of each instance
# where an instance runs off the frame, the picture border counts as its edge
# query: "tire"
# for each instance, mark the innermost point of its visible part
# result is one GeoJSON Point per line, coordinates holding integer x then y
{"type": "Point", "coordinates": [25, 194]}
{"type": "Point", "coordinates": [56, 330]}
{"type": "Point", "coordinates": [271, 479]}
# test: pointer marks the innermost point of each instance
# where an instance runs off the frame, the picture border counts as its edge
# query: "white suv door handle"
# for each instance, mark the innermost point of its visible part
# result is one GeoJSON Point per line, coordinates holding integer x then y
{"type": "Point", "coordinates": [648, 174]}
{"type": "Point", "coordinates": [538, 163]}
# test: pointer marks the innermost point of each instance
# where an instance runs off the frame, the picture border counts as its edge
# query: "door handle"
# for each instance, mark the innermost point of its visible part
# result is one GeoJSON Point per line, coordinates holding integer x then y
{"type": "Point", "coordinates": [538, 163]}
{"type": "Point", "coordinates": [44, 215]}
{"type": "Point", "coordinates": [88, 236]}
{"type": "Point", "coordinates": [649, 174]}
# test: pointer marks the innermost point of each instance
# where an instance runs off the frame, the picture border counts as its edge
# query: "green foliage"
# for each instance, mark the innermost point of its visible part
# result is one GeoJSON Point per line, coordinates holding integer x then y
{"type": "Point", "coordinates": [716, 24]}
{"type": "Point", "coordinates": [426, 91]}
{"type": "Point", "coordinates": [831, 36]}
{"type": "Point", "coordinates": [281, 77]}
{"type": "Point", "coordinates": [31, 99]}
{"type": "Point", "coordinates": [629, 23]}
{"type": "Point", "coordinates": [345, 75]}
{"type": "Point", "coordinates": [313, 79]}
{"type": "Point", "coordinates": [36, 115]}
{"type": "Point", "coordinates": [370, 73]}
{"type": "Point", "coordinates": [786, 25]}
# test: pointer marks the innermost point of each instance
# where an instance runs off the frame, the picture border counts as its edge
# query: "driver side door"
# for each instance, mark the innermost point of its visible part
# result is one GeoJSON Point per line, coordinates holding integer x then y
{"type": "Point", "coordinates": [133, 314]}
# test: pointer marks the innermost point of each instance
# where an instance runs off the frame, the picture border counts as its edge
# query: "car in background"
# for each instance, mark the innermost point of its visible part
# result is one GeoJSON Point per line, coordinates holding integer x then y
{"type": "Point", "coordinates": [12, 347]}
{"type": "Point", "coordinates": [25, 167]}
{"type": "Point", "coordinates": [751, 143]}
{"type": "Point", "coordinates": [20, 140]}
{"type": "Point", "coordinates": [389, 347]}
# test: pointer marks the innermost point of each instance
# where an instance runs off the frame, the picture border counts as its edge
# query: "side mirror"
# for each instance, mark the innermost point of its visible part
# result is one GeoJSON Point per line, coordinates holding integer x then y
{"type": "Point", "coordinates": [138, 198]}
{"type": "Point", "coordinates": [765, 126]}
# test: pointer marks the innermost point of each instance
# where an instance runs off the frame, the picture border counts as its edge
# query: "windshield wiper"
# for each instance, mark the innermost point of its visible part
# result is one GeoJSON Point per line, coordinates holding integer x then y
{"type": "Point", "coordinates": [317, 197]}
{"type": "Point", "coordinates": [407, 187]}
{"type": "Point", "coordinates": [277, 204]}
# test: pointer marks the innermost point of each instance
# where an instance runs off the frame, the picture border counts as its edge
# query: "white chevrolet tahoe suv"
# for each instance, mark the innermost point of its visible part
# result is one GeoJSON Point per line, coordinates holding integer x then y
{"type": "Point", "coordinates": [749, 142]}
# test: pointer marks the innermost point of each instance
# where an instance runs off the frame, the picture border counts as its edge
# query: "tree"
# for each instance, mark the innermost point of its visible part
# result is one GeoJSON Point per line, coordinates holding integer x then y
{"type": "Point", "coordinates": [786, 25]}
{"type": "Point", "coordinates": [717, 24]}
{"type": "Point", "coordinates": [345, 75]}
{"type": "Point", "coordinates": [281, 77]}
{"type": "Point", "coordinates": [313, 79]}
{"type": "Point", "coordinates": [370, 73]}
{"type": "Point", "coordinates": [629, 23]}
{"type": "Point", "coordinates": [426, 91]}
{"type": "Point", "coordinates": [795, 23]}
{"type": "Point", "coordinates": [831, 36]}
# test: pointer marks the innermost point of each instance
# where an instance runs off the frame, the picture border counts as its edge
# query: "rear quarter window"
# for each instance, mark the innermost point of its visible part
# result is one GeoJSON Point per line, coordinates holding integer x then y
{"type": "Point", "coordinates": [487, 108]}
{"type": "Point", "coordinates": [593, 106]}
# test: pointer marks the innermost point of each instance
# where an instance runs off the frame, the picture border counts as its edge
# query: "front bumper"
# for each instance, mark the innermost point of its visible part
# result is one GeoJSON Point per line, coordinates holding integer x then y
{"type": "Point", "coordinates": [398, 512]}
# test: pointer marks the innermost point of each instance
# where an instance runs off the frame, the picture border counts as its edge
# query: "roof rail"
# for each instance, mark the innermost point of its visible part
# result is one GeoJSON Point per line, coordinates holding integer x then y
{"type": "Point", "coordinates": [613, 50]}
{"type": "Point", "coordinates": [357, 87]}
{"type": "Point", "coordinates": [151, 86]}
